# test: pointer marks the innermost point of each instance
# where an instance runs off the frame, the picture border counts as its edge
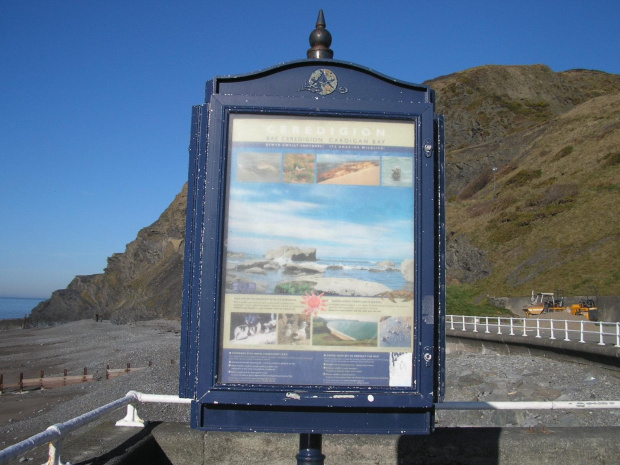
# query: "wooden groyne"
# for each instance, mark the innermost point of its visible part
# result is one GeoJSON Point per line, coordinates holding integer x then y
{"type": "Point", "coordinates": [51, 382]}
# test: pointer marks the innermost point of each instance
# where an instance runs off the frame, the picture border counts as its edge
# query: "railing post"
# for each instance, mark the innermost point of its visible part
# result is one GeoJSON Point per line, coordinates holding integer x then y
{"type": "Point", "coordinates": [475, 324]}
{"type": "Point", "coordinates": [452, 322]}
{"type": "Point", "coordinates": [551, 328]}
{"type": "Point", "coordinates": [463, 318]}
{"type": "Point", "coordinates": [131, 419]}
{"type": "Point", "coordinates": [566, 331]}
{"type": "Point", "coordinates": [55, 446]}
{"type": "Point", "coordinates": [600, 332]}
{"type": "Point", "coordinates": [524, 328]}
{"type": "Point", "coordinates": [512, 333]}
{"type": "Point", "coordinates": [499, 325]}
{"type": "Point", "coordinates": [537, 328]}
{"type": "Point", "coordinates": [581, 339]}
{"type": "Point", "coordinates": [54, 451]}
{"type": "Point", "coordinates": [486, 331]}
{"type": "Point", "coordinates": [617, 335]}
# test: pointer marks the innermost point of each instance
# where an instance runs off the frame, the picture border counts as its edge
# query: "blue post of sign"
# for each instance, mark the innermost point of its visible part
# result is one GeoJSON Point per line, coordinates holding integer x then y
{"type": "Point", "coordinates": [310, 450]}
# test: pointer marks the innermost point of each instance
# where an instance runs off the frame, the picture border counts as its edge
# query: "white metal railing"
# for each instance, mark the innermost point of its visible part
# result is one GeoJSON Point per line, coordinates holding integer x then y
{"type": "Point", "coordinates": [599, 332]}
{"type": "Point", "coordinates": [55, 434]}
{"type": "Point", "coordinates": [527, 405]}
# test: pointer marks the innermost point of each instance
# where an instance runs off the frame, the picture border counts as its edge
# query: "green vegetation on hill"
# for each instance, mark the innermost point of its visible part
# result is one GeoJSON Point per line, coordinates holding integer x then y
{"type": "Point", "coordinates": [549, 216]}
{"type": "Point", "coordinates": [468, 300]}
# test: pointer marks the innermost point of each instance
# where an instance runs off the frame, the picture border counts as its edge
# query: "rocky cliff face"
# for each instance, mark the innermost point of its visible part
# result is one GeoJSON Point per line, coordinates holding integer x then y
{"type": "Point", "coordinates": [144, 282]}
{"type": "Point", "coordinates": [553, 138]}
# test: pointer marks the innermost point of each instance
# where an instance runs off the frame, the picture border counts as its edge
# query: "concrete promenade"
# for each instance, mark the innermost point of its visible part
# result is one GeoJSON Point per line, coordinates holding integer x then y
{"type": "Point", "coordinates": [180, 445]}
{"type": "Point", "coordinates": [175, 443]}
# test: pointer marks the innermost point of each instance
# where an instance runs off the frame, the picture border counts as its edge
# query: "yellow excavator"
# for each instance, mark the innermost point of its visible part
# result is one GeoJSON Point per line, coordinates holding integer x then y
{"type": "Point", "coordinates": [545, 302]}
{"type": "Point", "coordinates": [587, 307]}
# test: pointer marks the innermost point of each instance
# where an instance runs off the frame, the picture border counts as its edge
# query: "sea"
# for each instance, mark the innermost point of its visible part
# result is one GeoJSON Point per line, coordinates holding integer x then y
{"type": "Point", "coordinates": [14, 307]}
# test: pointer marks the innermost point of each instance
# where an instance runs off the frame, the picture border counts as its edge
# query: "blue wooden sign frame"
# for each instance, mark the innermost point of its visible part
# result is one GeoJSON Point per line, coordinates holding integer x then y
{"type": "Point", "coordinates": [254, 359]}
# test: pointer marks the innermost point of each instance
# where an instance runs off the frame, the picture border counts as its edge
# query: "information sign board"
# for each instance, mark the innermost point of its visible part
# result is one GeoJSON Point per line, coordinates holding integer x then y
{"type": "Point", "coordinates": [313, 295]}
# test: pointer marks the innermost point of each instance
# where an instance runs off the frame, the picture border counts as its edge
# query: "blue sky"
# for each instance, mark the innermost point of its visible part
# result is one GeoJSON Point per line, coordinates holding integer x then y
{"type": "Point", "coordinates": [95, 97]}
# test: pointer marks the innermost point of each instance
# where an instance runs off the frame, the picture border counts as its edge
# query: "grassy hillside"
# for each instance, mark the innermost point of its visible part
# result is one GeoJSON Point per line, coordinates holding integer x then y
{"type": "Point", "coordinates": [549, 217]}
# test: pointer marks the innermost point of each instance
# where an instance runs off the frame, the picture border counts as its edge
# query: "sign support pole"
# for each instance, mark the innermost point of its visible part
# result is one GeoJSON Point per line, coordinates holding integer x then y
{"type": "Point", "coordinates": [310, 449]}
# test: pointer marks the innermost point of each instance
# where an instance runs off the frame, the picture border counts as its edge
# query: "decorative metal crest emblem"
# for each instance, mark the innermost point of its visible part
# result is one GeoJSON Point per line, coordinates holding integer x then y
{"type": "Point", "coordinates": [323, 82]}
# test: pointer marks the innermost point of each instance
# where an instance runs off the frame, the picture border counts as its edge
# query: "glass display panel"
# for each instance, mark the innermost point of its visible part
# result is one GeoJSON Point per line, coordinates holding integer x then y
{"type": "Point", "coordinates": [318, 252]}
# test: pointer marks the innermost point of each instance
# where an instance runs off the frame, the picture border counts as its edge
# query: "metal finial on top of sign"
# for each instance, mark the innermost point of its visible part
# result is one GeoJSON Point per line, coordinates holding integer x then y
{"type": "Point", "coordinates": [320, 40]}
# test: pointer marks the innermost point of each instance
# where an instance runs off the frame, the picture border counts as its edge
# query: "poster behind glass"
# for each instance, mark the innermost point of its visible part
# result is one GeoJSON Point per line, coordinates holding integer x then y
{"type": "Point", "coordinates": [318, 288]}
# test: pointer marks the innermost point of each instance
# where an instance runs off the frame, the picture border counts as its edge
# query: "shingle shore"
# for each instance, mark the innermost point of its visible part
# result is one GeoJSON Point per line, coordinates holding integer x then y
{"type": "Point", "coordinates": [469, 377]}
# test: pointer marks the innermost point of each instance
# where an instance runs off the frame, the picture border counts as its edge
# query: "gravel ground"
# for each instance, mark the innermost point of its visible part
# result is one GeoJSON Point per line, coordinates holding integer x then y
{"type": "Point", "coordinates": [485, 378]}
{"type": "Point", "coordinates": [93, 345]}
{"type": "Point", "coordinates": [470, 377]}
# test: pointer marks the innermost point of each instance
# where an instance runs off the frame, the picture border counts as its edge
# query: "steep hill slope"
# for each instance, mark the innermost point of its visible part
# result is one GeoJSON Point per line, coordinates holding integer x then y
{"type": "Point", "coordinates": [550, 217]}
{"type": "Point", "coordinates": [144, 282]}
{"type": "Point", "coordinates": [547, 218]}
{"type": "Point", "coordinates": [492, 112]}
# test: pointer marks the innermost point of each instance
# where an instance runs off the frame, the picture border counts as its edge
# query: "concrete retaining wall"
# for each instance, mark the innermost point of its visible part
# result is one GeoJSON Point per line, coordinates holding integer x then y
{"type": "Point", "coordinates": [173, 443]}
{"type": "Point", "coordinates": [604, 356]}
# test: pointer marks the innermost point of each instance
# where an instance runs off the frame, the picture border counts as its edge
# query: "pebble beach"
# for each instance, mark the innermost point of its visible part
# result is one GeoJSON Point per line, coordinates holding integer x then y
{"type": "Point", "coordinates": [73, 346]}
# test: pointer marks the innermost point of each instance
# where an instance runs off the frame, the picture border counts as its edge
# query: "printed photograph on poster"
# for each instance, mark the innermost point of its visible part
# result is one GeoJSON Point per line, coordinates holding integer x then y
{"type": "Point", "coordinates": [357, 170]}
{"type": "Point", "coordinates": [344, 330]}
{"type": "Point", "coordinates": [395, 331]}
{"type": "Point", "coordinates": [253, 328]}
{"type": "Point", "coordinates": [259, 167]}
{"type": "Point", "coordinates": [299, 167]}
{"type": "Point", "coordinates": [294, 329]}
{"type": "Point", "coordinates": [397, 172]}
